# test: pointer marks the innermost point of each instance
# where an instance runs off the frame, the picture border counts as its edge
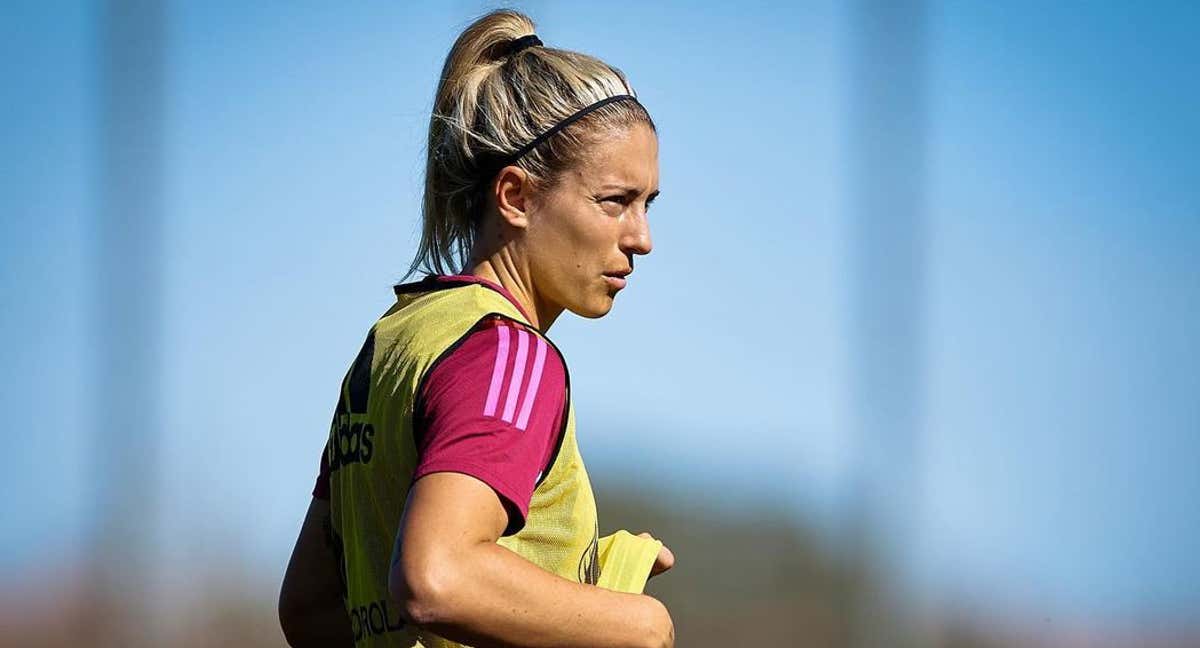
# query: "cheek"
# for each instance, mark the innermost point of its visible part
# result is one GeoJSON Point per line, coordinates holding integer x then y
{"type": "Point", "coordinates": [553, 246]}
{"type": "Point", "coordinates": [571, 240]}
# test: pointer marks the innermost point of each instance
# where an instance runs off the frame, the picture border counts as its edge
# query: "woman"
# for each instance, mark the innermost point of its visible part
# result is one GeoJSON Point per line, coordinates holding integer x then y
{"type": "Point", "coordinates": [453, 504]}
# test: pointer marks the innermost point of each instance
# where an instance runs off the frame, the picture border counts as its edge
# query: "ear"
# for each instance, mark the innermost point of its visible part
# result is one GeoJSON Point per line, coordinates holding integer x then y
{"type": "Point", "coordinates": [513, 190]}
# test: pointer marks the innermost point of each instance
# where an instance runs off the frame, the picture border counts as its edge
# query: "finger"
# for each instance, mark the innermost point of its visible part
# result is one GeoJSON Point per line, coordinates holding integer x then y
{"type": "Point", "coordinates": [664, 561]}
{"type": "Point", "coordinates": [666, 558]}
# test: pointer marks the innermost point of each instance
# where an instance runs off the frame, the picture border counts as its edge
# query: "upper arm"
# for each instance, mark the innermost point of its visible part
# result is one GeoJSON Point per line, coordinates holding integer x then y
{"type": "Point", "coordinates": [488, 421]}
{"type": "Point", "coordinates": [447, 513]}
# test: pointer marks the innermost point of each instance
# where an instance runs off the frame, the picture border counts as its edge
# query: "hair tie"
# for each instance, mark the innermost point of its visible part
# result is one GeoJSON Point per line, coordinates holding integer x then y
{"type": "Point", "coordinates": [516, 45]}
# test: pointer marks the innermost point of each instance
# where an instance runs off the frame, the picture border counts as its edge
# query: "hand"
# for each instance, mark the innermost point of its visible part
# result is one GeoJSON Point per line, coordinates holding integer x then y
{"type": "Point", "coordinates": [665, 559]}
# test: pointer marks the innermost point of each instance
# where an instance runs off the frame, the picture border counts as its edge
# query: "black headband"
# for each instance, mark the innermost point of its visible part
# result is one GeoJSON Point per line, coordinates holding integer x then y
{"type": "Point", "coordinates": [519, 153]}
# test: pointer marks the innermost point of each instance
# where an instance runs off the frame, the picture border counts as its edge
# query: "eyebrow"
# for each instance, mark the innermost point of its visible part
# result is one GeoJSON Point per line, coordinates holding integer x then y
{"type": "Point", "coordinates": [629, 190]}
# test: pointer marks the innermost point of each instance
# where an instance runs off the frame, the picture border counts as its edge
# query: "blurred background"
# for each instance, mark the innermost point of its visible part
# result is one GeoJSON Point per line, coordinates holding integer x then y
{"type": "Point", "coordinates": [915, 360]}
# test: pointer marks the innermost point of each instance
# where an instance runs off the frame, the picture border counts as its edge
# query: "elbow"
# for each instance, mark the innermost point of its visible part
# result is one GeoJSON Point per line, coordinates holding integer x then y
{"type": "Point", "coordinates": [296, 616]}
{"type": "Point", "coordinates": [289, 619]}
{"type": "Point", "coordinates": [423, 592]}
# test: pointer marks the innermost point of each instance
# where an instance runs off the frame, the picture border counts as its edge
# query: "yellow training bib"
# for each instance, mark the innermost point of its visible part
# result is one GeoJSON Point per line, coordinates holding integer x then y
{"type": "Point", "coordinates": [372, 456]}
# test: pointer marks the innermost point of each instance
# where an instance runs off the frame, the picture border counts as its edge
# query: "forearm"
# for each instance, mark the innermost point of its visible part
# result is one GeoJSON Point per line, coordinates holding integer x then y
{"type": "Point", "coordinates": [494, 597]}
{"type": "Point", "coordinates": [311, 612]}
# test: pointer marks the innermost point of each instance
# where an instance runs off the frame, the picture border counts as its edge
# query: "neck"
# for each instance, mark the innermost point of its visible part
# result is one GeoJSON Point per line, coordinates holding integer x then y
{"type": "Point", "coordinates": [503, 269]}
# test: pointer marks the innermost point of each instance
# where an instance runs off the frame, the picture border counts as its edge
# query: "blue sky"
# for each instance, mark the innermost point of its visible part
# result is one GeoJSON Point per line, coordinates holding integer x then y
{"type": "Point", "coordinates": [1060, 424]}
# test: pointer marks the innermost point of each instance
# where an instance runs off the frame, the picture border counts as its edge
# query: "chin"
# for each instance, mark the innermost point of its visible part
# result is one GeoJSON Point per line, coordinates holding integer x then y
{"type": "Point", "coordinates": [594, 308]}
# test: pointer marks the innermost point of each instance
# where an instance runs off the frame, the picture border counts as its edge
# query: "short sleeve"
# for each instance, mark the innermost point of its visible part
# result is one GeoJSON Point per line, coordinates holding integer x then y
{"type": "Point", "coordinates": [321, 488]}
{"type": "Point", "coordinates": [493, 409]}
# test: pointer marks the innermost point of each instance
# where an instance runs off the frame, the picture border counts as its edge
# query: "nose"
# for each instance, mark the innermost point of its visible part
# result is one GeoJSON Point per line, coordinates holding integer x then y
{"type": "Point", "coordinates": [635, 237]}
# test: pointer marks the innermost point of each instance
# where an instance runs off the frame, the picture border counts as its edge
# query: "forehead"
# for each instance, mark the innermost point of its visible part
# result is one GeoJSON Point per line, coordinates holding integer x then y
{"type": "Point", "coordinates": [627, 157]}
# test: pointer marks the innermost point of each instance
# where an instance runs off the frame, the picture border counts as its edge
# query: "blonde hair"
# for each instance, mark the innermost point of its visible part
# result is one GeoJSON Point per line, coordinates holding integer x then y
{"type": "Point", "coordinates": [488, 105]}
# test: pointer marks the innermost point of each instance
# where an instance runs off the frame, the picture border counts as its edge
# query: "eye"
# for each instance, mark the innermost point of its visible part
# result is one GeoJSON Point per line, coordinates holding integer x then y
{"type": "Point", "coordinates": [620, 199]}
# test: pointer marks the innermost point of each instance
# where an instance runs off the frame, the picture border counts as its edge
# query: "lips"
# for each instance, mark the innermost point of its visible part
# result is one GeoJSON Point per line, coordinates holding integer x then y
{"type": "Point", "coordinates": [617, 279]}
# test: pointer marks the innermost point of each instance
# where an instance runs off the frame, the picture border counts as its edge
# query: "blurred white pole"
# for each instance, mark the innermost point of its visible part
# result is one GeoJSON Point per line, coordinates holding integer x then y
{"type": "Point", "coordinates": [126, 285]}
{"type": "Point", "coordinates": [887, 149]}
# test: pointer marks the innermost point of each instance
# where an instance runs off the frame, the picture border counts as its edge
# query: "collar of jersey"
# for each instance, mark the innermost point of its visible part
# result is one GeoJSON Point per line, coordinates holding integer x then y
{"type": "Point", "coordinates": [459, 280]}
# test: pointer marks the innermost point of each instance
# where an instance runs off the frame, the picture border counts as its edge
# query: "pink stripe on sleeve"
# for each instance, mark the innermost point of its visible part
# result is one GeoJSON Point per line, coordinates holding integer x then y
{"type": "Point", "coordinates": [493, 397]}
{"type": "Point", "coordinates": [535, 378]}
{"type": "Point", "coordinates": [518, 376]}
